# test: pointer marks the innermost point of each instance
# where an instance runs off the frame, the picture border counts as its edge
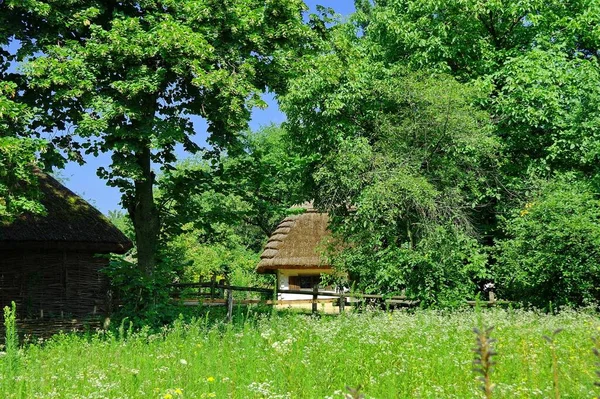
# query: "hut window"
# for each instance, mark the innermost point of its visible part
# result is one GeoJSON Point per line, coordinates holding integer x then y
{"type": "Point", "coordinates": [304, 282]}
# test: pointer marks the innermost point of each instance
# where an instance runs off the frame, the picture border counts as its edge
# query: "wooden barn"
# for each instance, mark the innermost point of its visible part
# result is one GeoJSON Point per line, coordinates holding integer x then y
{"type": "Point", "coordinates": [294, 253]}
{"type": "Point", "coordinates": [49, 264]}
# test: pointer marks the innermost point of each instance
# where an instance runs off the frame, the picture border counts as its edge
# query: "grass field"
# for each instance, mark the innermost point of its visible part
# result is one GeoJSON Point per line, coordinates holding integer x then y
{"type": "Point", "coordinates": [427, 354]}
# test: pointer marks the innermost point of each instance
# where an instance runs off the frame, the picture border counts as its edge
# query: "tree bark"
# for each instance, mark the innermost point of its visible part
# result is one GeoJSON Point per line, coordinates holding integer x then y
{"type": "Point", "coordinates": [144, 215]}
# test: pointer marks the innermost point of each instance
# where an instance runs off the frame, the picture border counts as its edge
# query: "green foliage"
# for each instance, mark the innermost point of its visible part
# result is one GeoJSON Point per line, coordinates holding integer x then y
{"type": "Point", "coordinates": [133, 82]}
{"type": "Point", "coordinates": [540, 58]}
{"type": "Point", "coordinates": [406, 169]}
{"type": "Point", "coordinates": [550, 252]}
{"type": "Point", "coordinates": [18, 188]}
{"type": "Point", "coordinates": [19, 192]}
{"type": "Point", "coordinates": [253, 187]}
{"type": "Point", "coordinates": [547, 112]}
{"type": "Point", "coordinates": [439, 270]}
{"type": "Point", "coordinates": [144, 300]}
{"type": "Point", "coordinates": [122, 221]}
{"type": "Point", "coordinates": [468, 38]}
{"type": "Point", "coordinates": [226, 257]}
{"type": "Point", "coordinates": [13, 114]}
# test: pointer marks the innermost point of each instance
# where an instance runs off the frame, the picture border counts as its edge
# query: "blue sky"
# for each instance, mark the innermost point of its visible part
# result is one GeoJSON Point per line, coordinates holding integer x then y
{"type": "Point", "coordinates": [83, 179]}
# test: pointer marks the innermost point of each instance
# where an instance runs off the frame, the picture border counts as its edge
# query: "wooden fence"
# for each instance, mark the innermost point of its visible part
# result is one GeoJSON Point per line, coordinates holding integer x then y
{"type": "Point", "coordinates": [218, 294]}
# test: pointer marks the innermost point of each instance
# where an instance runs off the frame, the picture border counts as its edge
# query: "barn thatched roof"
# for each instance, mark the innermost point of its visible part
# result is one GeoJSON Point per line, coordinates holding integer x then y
{"type": "Point", "coordinates": [69, 223]}
{"type": "Point", "coordinates": [297, 243]}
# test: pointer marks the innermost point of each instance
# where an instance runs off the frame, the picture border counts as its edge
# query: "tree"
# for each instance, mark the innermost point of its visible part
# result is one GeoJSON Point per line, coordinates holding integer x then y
{"type": "Point", "coordinates": [540, 58]}
{"type": "Point", "coordinates": [406, 168]}
{"type": "Point", "coordinates": [125, 76]}
{"type": "Point", "coordinates": [538, 63]}
{"type": "Point", "coordinates": [222, 223]}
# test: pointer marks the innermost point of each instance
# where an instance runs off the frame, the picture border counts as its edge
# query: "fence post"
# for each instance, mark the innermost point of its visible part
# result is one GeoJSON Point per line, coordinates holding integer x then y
{"type": "Point", "coordinates": [229, 303]}
{"type": "Point", "coordinates": [315, 297]}
{"type": "Point", "coordinates": [213, 281]}
{"type": "Point", "coordinates": [342, 302]}
{"type": "Point", "coordinates": [199, 287]}
{"type": "Point", "coordinates": [492, 296]}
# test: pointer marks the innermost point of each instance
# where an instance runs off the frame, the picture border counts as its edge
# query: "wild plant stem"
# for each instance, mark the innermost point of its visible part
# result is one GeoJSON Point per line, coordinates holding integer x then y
{"type": "Point", "coordinates": [483, 361]}
{"type": "Point", "coordinates": [555, 373]}
{"type": "Point", "coordinates": [596, 350]}
{"type": "Point", "coordinates": [554, 362]}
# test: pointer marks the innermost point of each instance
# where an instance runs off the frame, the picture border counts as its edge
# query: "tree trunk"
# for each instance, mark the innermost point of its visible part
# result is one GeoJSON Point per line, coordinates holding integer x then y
{"type": "Point", "coordinates": [144, 215]}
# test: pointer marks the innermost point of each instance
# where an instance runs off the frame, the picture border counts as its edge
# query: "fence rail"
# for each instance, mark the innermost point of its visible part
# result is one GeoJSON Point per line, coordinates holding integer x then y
{"type": "Point", "coordinates": [339, 299]}
{"type": "Point", "coordinates": [223, 286]}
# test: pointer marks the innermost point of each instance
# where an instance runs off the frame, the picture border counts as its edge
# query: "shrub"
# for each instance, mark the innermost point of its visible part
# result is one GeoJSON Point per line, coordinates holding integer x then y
{"type": "Point", "coordinates": [551, 252]}
{"type": "Point", "coordinates": [439, 270]}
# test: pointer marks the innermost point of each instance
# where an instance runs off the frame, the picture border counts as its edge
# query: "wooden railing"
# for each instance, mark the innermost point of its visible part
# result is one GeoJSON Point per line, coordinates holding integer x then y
{"type": "Point", "coordinates": [339, 299]}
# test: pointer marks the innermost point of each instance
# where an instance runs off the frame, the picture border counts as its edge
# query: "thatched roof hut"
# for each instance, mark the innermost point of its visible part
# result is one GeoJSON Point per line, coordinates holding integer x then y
{"type": "Point", "coordinates": [294, 252]}
{"type": "Point", "coordinates": [297, 243]}
{"type": "Point", "coordinates": [49, 264]}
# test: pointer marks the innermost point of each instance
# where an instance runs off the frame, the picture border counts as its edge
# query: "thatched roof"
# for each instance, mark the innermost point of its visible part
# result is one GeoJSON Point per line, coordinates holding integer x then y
{"type": "Point", "coordinates": [69, 223]}
{"type": "Point", "coordinates": [297, 243]}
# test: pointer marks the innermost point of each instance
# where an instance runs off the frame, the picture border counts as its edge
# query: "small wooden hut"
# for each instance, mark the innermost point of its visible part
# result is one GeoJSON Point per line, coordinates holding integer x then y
{"type": "Point", "coordinates": [49, 264]}
{"type": "Point", "coordinates": [294, 253]}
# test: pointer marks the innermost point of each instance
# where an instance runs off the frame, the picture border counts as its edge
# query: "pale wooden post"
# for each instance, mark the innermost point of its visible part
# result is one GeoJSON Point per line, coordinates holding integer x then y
{"type": "Point", "coordinates": [229, 301]}
{"type": "Point", "coordinates": [492, 296]}
{"type": "Point", "coordinates": [342, 303]}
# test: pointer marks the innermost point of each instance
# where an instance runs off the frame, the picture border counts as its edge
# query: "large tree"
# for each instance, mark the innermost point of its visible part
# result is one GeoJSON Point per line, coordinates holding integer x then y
{"type": "Point", "coordinates": [407, 166]}
{"type": "Point", "coordinates": [124, 77]}
{"type": "Point", "coordinates": [539, 57]}
{"type": "Point", "coordinates": [536, 64]}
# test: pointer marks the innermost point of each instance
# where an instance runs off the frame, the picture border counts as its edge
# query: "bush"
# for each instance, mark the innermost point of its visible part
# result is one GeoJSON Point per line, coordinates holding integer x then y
{"type": "Point", "coordinates": [440, 270]}
{"type": "Point", "coordinates": [142, 299]}
{"type": "Point", "coordinates": [552, 249]}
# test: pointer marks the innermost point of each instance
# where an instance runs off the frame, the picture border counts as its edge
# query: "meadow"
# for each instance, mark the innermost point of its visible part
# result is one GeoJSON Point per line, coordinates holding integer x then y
{"type": "Point", "coordinates": [423, 354]}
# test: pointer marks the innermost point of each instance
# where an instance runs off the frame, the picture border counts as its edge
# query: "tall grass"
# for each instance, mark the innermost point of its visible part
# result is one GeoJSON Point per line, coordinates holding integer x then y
{"type": "Point", "coordinates": [596, 351]}
{"type": "Point", "coordinates": [401, 355]}
{"type": "Point", "coordinates": [11, 341]}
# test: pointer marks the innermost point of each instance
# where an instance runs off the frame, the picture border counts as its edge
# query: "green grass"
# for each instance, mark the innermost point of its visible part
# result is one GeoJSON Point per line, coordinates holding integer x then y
{"type": "Point", "coordinates": [423, 355]}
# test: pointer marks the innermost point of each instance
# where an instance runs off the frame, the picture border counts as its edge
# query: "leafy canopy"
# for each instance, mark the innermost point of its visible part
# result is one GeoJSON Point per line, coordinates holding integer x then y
{"type": "Point", "coordinates": [406, 168]}
{"type": "Point", "coordinates": [125, 78]}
